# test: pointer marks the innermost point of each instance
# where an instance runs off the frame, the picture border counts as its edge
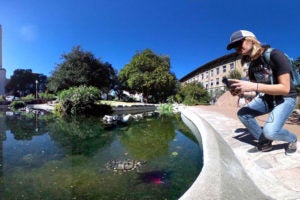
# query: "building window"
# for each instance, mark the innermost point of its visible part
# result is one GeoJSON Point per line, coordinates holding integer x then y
{"type": "Point", "coordinates": [211, 82]}
{"type": "Point", "coordinates": [206, 75]}
{"type": "Point", "coordinates": [217, 70]}
{"type": "Point", "coordinates": [202, 75]}
{"type": "Point", "coordinates": [212, 72]}
{"type": "Point", "coordinates": [231, 66]}
{"type": "Point", "coordinates": [217, 81]}
{"type": "Point", "coordinates": [224, 68]}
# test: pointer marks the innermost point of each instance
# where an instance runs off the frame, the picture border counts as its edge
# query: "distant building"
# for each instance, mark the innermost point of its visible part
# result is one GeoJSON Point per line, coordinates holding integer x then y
{"type": "Point", "coordinates": [211, 73]}
{"type": "Point", "coordinates": [2, 70]}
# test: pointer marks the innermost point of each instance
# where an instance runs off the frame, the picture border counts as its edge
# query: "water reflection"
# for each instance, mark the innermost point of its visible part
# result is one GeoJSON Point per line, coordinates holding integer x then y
{"type": "Point", "coordinates": [80, 138]}
{"type": "Point", "coordinates": [43, 157]}
{"type": "Point", "coordinates": [24, 127]}
{"type": "Point", "coordinates": [138, 140]}
{"type": "Point", "coordinates": [155, 177]}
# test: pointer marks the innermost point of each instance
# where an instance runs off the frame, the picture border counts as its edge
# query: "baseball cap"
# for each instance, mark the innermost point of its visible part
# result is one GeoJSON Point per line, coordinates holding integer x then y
{"type": "Point", "coordinates": [237, 36]}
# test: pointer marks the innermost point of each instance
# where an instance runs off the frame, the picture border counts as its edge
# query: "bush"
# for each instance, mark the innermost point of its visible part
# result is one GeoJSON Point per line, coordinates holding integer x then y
{"type": "Point", "coordinates": [165, 109]}
{"type": "Point", "coordinates": [46, 96]}
{"type": "Point", "coordinates": [235, 74]}
{"type": "Point", "coordinates": [80, 101]}
{"type": "Point", "coordinates": [15, 105]}
{"type": "Point", "coordinates": [194, 94]}
{"type": "Point", "coordinates": [2, 100]}
{"type": "Point", "coordinates": [28, 98]}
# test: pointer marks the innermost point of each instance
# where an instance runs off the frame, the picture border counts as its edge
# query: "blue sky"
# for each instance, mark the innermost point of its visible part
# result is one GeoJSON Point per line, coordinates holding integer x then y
{"type": "Point", "coordinates": [191, 32]}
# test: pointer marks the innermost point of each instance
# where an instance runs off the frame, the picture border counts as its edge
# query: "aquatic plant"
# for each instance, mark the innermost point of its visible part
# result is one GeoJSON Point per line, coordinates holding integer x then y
{"type": "Point", "coordinates": [165, 109]}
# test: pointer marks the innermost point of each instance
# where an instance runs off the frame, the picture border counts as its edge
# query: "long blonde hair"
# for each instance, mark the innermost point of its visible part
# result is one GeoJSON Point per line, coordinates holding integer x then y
{"type": "Point", "coordinates": [256, 51]}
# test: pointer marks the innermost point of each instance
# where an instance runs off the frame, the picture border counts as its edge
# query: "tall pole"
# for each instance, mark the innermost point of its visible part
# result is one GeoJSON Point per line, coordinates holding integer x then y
{"type": "Point", "coordinates": [2, 70]}
{"type": "Point", "coordinates": [36, 89]}
{"type": "Point", "coordinates": [0, 46]}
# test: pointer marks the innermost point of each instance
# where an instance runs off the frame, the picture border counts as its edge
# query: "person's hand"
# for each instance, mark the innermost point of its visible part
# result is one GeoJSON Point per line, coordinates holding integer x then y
{"type": "Point", "coordinates": [234, 91]}
{"type": "Point", "coordinates": [241, 86]}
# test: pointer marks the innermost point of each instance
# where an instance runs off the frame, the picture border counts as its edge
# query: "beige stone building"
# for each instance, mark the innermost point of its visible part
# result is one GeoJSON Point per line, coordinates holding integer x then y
{"type": "Point", "coordinates": [211, 73]}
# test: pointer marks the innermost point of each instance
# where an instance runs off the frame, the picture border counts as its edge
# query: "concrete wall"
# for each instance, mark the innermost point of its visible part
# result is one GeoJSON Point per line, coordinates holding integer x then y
{"type": "Point", "coordinates": [222, 176]}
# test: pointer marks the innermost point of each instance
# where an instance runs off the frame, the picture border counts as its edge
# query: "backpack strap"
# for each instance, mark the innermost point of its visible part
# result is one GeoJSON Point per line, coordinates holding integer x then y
{"type": "Point", "coordinates": [267, 59]}
{"type": "Point", "coordinates": [267, 55]}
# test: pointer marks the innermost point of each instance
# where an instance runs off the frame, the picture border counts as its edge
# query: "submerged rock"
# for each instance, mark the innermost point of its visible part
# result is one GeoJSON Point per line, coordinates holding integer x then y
{"type": "Point", "coordinates": [124, 165]}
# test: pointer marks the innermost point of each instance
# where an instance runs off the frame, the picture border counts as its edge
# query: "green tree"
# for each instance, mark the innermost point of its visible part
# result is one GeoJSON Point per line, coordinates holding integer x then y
{"type": "Point", "coordinates": [194, 94]}
{"type": "Point", "coordinates": [23, 82]}
{"type": "Point", "coordinates": [149, 74]}
{"type": "Point", "coordinates": [82, 68]}
{"type": "Point", "coordinates": [297, 62]}
{"type": "Point", "coordinates": [235, 74]}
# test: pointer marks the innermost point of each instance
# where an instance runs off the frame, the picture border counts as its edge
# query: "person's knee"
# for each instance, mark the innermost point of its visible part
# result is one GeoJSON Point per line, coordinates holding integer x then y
{"type": "Point", "coordinates": [240, 112]}
{"type": "Point", "coordinates": [243, 112]}
{"type": "Point", "coordinates": [269, 133]}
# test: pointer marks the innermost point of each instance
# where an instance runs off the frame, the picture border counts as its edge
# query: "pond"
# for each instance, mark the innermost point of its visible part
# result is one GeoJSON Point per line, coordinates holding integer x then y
{"type": "Point", "coordinates": [43, 157]}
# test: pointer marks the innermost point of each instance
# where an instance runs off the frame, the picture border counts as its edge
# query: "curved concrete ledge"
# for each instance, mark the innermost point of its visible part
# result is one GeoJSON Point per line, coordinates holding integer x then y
{"type": "Point", "coordinates": [134, 109]}
{"type": "Point", "coordinates": [222, 176]}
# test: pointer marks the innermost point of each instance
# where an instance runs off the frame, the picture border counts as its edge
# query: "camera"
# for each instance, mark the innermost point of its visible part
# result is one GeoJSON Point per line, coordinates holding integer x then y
{"type": "Point", "coordinates": [226, 82]}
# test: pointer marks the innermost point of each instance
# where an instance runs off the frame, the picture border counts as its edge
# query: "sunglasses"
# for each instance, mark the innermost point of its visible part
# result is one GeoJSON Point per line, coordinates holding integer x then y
{"type": "Point", "coordinates": [238, 43]}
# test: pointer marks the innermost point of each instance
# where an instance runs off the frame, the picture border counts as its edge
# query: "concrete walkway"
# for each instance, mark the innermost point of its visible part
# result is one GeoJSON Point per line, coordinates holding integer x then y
{"type": "Point", "coordinates": [231, 171]}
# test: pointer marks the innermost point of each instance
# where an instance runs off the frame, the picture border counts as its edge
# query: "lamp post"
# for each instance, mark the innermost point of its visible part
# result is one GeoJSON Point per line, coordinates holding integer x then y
{"type": "Point", "coordinates": [36, 89]}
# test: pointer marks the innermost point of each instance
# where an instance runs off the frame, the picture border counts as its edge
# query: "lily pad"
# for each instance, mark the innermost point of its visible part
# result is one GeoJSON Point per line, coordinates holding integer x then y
{"type": "Point", "coordinates": [174, 153]}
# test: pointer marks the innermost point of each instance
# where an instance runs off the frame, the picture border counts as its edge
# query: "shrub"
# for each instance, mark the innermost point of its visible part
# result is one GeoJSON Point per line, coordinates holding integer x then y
{"type": "Point", "coordinates": [28, 98]}
{"type": "Point", "coordinates": [46, 96]}
{"type": "Point", "coordinates": [235, 74]}
{"type": "Point", "coordinates": [194, 94]}
{"type": "Point", "coordinates": [165, 109]}
{"type": "Point", "coordinates": [80, 101]}
{"type": "Point", "coordinates": [17, 104]}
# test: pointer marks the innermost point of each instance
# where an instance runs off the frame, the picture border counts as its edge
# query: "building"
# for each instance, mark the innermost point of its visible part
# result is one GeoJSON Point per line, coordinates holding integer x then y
{"type": "Point", "coordinates": [2, 70]}
{"type": "Point", "coordinates": [211, 73]}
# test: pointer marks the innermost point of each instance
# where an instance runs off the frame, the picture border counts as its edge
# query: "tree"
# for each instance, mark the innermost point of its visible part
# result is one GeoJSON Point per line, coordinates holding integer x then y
{"type": "Point", "coordinates": [194, 94]}
{"type": "Point", "coordinates": [235, 74]}
{"type": "Point", "coordinates": [297, 62]}
{"type": "Point", "coordinates": [82, 68]}
{"type": "Point", "coordinates": [23, 82]}
{"type": "Point", "coordinates": [149, 74]}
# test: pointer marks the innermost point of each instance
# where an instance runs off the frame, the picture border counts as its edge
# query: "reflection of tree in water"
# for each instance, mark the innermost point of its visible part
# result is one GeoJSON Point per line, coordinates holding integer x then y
{"type": "Point", "coordinates": [2, 127]}
{"type": "Point", "coordinates": [180, 126]}
{"type": "Point", "coordinates": [25, 126]}
{"type": "Point", "coordinates": [80, 136]}
{"type": "Point", "coordinates": [150, 138]}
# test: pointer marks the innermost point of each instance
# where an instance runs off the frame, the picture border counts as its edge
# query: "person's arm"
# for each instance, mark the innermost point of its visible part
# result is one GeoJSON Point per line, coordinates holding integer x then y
{"type": "Point", "coordinates": [281, 88]}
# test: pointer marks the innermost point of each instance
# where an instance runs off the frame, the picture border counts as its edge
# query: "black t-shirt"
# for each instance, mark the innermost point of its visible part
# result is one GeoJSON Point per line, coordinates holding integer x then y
{"type": "Point", "coordinates": [260, 72]}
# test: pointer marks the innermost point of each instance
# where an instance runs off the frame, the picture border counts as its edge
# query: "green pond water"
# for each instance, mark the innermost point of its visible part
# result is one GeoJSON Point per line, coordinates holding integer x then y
{"type": "Point", "coordinates": [43, 157]}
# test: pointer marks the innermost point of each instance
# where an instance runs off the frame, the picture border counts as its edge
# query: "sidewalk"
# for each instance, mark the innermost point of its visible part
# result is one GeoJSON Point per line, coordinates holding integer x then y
{"type": "Point", "coordinates": [274, 173]}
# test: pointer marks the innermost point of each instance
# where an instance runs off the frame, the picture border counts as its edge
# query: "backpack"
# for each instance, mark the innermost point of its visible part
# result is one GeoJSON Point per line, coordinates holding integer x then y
{"type": "Point", "coordinates": [295, 76]}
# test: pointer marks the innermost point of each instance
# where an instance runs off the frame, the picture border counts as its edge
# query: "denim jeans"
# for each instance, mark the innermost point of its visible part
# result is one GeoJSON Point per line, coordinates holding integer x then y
{"type": "Point", "coordinates": [273, 127]}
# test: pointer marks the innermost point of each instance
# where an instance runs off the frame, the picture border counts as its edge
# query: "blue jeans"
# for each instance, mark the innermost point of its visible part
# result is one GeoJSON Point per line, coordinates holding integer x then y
{"type": "Point", "coordinates": [273, 127]}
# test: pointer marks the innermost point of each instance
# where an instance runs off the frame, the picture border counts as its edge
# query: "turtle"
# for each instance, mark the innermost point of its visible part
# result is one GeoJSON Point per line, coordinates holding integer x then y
{"type": "Point", "coordinates": [124, 165]}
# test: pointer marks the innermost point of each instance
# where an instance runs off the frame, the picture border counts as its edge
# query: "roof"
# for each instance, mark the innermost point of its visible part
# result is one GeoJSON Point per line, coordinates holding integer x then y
{"type": "Point", "coordinates": [219, 61]}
